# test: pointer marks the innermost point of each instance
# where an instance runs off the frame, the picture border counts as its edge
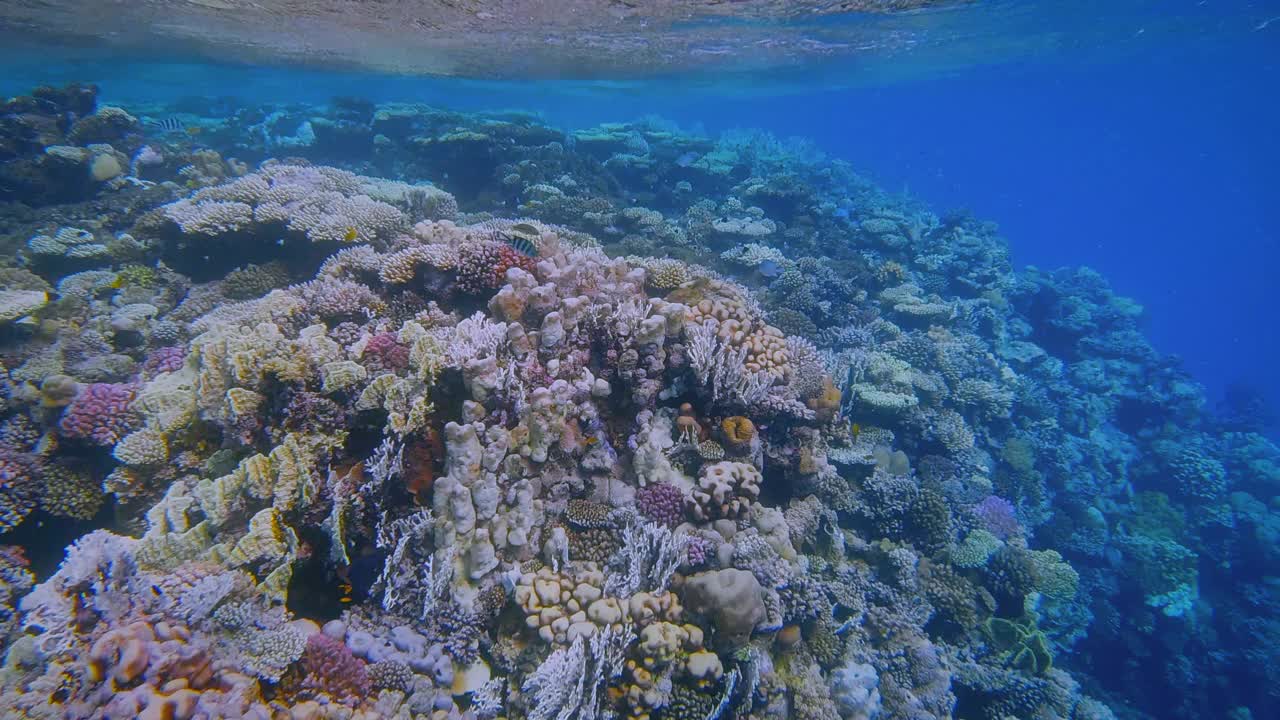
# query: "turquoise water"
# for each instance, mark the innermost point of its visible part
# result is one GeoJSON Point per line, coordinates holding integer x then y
{"type": "Point", "coordinates": [751, 359]}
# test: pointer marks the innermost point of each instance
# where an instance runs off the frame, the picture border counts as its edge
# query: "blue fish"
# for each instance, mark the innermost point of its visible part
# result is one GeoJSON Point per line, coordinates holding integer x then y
{"type": "Point", "coordinates": [686, 159]}
{"type": "Point", "coordinates": [841, 213]}
{"type": "Point", "coordinates": [769, 269]}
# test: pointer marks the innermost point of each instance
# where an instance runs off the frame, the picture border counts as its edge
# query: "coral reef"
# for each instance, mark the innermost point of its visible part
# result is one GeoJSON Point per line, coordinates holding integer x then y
{"type": "Point", "coordinates": [622, 422]}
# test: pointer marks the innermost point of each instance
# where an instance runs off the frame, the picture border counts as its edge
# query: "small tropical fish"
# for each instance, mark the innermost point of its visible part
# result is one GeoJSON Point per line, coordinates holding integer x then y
{"type": "Point", "coordinates": [351, 234]}
{"type": "Point", "coordinates": [173, 125]}
{"type": "Point", "coordinates": [523, 238]}
{"type": "Point", "coordinates": [686, 159]}
{"type": "Point", "coordinates": [841, 212]}
{"type": "Point", "coordinates": [855, 429]}
{"type": "Point", "coordinates": [769, 268]}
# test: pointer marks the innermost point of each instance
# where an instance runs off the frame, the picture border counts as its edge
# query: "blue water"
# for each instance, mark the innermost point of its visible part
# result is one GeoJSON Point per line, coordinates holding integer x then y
{"type": "Point", "coordinates": [1160, 169]}
{"type": "Point", "coordinates": [1135, 137]}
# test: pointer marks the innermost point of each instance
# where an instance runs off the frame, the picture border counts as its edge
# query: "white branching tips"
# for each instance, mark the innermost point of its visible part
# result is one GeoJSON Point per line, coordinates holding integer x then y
{"type": "Point", "coordinates": [566, 686]}
{"type": "Point", "coordinates": [437, 573]}
{"type": "Point", "coordinates": [555, 688]}
{"type": "Point", "coordinates": [730, 683]}
{"type": "Point", "coordinates": [623, 321]}
{"type": "Point", "coordinates": [649, 557]}
{"type": "Point", "coordinates": [385, 463]}
{"type": "Point", "coordinates": [488, 701]}
{"type": "Point", "coordinates": [721, 368]}
{"type": "Point", "coordinates": [400, 580]}
{"type": "Point", "coordinates": [474, 337]}
{"type": "Point", "coordinates": [407, 582]}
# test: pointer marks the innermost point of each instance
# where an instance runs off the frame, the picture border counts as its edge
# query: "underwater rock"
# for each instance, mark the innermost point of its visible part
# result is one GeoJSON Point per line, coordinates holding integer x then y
{"type": "Point", "coordinates": [731, 598]}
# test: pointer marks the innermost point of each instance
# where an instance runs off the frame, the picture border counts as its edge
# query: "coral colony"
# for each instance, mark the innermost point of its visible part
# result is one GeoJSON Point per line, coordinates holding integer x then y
{"type": "Point", "coordinates": [619, 423]}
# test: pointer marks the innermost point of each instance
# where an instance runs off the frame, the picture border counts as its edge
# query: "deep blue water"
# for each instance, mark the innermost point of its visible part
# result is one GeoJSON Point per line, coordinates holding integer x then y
{"type": "Point", "coordinates": [1160, 171]}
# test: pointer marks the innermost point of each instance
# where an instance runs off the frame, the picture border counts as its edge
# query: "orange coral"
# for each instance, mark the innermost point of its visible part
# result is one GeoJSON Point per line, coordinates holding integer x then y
{"type": "Point", "coordinates": [826, 404]}
{"type": "Point", "coordinates": [420, 458]}
{"type": "Point", "coordinates": [689, 430]}
{"type": "Point", "coordinates": [738, 430]}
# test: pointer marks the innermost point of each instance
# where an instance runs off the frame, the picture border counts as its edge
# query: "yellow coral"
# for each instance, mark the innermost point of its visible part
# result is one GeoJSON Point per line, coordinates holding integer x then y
{"type": "Point", "coordinates": [70, 494]}
{"type": "Point", "coordinates": [341, 375]}
{"type": "Point", "coordinates": [667, 273]}
{"type": "Point", "coordinates": [827, 403]}
{"type": "Point", "coordinates": [405, 400]}
{"type": "Point", "coordinates": [738, 430]}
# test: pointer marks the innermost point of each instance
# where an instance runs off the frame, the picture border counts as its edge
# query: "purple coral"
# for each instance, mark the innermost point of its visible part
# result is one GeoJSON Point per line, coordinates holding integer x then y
{"type": "Point", "coordinates": [308, 411]}
{"type": "Point", "coordinates": [661, 502]}
{"type": "Point", "coordinates": [333, 298]}
{"type": "Point", "coordinates": [101, 413]}
{"type": "Point", "coordinates": [164, 359]}
{"type": "Point", "coordinates": [331, 669]}
{"type": "Point", "coordinates": [699, 551]}
{"type": "Point", "coordinates": [997, 515]}
{"type": "Point", "coordinates": [384, 352]}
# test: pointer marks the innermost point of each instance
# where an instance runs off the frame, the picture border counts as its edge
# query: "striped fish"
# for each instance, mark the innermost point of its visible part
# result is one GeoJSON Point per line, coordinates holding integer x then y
{"type": "Point", "coordinates": [168, 124]}
{"type": "Point", "coordinates": [524, 239]}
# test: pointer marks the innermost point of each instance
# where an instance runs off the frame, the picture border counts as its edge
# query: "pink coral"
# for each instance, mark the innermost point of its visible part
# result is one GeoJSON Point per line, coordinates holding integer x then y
{"type": "Point", "coordinates": [384, 352]}
{"type": "Point", "coordinates": [331, 669]}
{"type": "Point", "coordinates": [484, 267]}
{"type": "Point", "coordinates": [101, 413]}
{"type": "Point", "coordinates": [164, 359]}
{"type": "Point", "coordinates": [336, 298]}
{"type": "Point", "coordinates": [700, 550]}
{"type": "Point", "coordinates": [662, 502]}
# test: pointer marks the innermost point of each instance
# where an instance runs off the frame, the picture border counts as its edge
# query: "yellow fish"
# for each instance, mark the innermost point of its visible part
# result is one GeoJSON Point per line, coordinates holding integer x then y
{"type": "Point", "coordinates": [351, 234]}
